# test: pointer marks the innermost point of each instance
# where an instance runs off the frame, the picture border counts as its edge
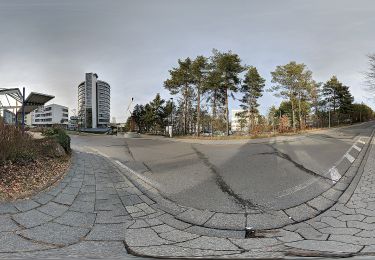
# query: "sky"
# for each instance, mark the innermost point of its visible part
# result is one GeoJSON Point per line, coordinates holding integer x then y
{"type": "Point", "coordinates": [48, 46]}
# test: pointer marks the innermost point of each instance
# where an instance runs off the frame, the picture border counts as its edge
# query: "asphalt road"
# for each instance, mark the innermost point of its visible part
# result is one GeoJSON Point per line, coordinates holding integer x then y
{"type": "Point", "coordinates": [234, 177]}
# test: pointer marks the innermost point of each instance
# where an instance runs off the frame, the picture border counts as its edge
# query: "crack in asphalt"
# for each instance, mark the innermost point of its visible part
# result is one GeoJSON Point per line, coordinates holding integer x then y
{"type": "Point", "coordinates": [246, 204]}
{"type": "Point", "coordinates": [296, 164]}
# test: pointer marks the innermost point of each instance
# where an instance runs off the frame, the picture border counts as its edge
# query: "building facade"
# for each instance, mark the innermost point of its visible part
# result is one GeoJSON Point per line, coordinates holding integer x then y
{"type": "Point", "coordinates": [94, 98]}
{"type": "Point", "coordinates": [50, 115]}
{"type": "Point", "coordinates": [8, 117]}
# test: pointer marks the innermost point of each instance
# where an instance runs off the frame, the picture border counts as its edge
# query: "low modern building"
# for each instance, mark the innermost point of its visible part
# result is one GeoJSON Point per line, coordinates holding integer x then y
{"type": "Point", "coordinates": [94, 102]}
{"type": "Point", "coordinates": [50, 115]}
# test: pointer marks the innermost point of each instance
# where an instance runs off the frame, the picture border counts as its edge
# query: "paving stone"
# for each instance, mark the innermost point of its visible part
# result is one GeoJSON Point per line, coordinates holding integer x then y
{"type": "Point", "coordinates": [76, 219]}
{"type": "Point", "coordinates": [367, 219]}
{"type": "Point", "coordinates": [301, 212]}
{"type": "Point", "coordinates": [311, 233]}
{"type": "Point", "coordinates": [106, 205]}
{"type": "Point", "coordinates": [109, 231]}
{"type": "Point", "coordinates": [32, 218]}
{"type": "Point", "coordinates": [88, 188]}
{"type": "Point", "coordinates": [7, 208]}
{"type": "Point", "coordinates": [271, 220]}
{"type": "Point", "coordinates": [345, 210]}
{"type": "Point", "coordinates": [368, 249]}
{"type": "Point", "coordinates": [227, 221]}
{"type": "Point", "coordinates": [215, 232]}
{"type": "Point", "coordinates": [171, 221]}
{"type": "Point", "coordinates": [316, 224]}
{"type": "Point", "coordinates": [320, 203]}
{"type": "Point", "coordinates": [294, 227]}
{"type": "Point", "coordinates": [132, 209]}
{"type": "Point", "coordinates": [361, 225]}
{"type": "Point", "coordinates": [43, 198]}
{"type": "Point", "coordinates": [178, 236]}
{"type": "Point", "coordinates": [64, 198]}
{"type": "Point", "coordinates": [332, 194]}
{"type": "Point", "coordinates": [114, 216]}
{"type": "Point", "coordinates": [131, 200]}
{"type": "Point", "coordinates": [339, 231]}
{"type": "Point", "coordinates": [288, 236]}
{"type": "Point", "coordinates": [209, 243]}
{"type": "Point", "coordinates": [325, 246]}
{"type": "Point", "coordinates": [252, 243]}
{"type": "Point", "coordinates": [55, 233]}
{"type": "Point", "coordinates": [331, 213]}
{"type": "Point", "coordinates": [352, 217]}
{"type": "Point", "coordinates": [53, 209]}
{"type": "Point", "coordinates": [366, 212]}
{"type": "Point", "coordinates": [10, 242]}
{"type": "Point", "coordinates": [352, 240]}
{"type": "Point", "coordinates": [96, 249]}
{"type": "Point", "coordinates": [333, 222]}
{"type": "Point", "coordinates": [162, 228]}
{"type": "Point", "coordinates": [145, 208]}
{"type": "Point", "coordinates": [88, 196]}
{"type": "Point", "coordinates": [144, 237]}
{"type": "Point", "coordinates": [83, 206]}
{"type": "Point", "coordinates": [71, 190]}
{"type": "Point", "coordinates": [24, 205]}
{"type": "Point", "coordinates": [154, 221]}
{"type": "Point", "coordinates": [177, 251]}
{"type": "Point", "coordinates": [195, 216]}
{"type": "Point", "coordinates": [366, 233]}
{"type": "Point", "coordinates": [7, 224]}
{"type": "Point", "coordinates": [139, 223]}
{"type": "Point", "coordinates": [147, 199]}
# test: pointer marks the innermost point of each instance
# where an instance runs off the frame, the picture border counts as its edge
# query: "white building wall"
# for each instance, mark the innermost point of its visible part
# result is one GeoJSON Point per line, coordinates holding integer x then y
{"type": "Point", "coordinates": [50, 115]}
{"type": "Point", "coordinates": [235, 124]}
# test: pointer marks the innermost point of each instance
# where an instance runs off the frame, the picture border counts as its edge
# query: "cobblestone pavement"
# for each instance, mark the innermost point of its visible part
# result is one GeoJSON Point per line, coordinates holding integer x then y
{"type": "Point", "coordinates": [99, 211]}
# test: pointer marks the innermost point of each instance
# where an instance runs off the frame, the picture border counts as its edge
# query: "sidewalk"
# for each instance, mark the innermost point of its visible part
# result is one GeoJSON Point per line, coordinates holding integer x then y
{"type": "Point", "coordinates": [96, 211]}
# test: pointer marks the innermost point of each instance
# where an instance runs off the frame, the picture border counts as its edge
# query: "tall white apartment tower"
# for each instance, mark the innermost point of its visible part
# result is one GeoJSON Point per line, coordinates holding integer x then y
{"type": "Point", "coordinates": [94, 102]}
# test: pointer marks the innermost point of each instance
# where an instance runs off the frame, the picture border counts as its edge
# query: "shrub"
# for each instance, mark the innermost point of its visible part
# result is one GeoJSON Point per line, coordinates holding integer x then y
{"type": "Point", "coordinates": [60, 135]}
{"type": "Point", "coordinates": [15, 145]}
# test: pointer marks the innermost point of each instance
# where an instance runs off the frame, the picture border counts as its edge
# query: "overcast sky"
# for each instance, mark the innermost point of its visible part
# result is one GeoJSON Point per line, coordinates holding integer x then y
{"type": "Point", "coordinates": [47, 46]}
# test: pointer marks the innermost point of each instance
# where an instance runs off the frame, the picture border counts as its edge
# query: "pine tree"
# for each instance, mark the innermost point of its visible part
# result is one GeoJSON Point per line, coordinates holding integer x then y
{"type": "Point", "coordinates": [226, 68]}
{"type": "Point", "coordinates": [180, 82]}
{"type": "Point", "coordinates": [252, 88]}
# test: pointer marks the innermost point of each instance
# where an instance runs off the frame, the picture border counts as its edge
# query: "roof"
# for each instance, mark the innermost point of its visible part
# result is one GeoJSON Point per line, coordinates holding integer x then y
{"type": "Point", "coordinates": [13, 92]}
{"type": "Point", "coordinates": [35, 100]}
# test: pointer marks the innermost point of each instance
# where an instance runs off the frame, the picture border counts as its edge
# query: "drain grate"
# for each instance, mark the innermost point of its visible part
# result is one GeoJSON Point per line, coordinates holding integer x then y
{"type": "Point", "coordinates": [250, 232]}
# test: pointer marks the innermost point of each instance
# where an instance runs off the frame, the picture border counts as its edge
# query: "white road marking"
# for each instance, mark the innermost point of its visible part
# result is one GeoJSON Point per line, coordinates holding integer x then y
{"type": "Point", "coordinates": [335, 175]}
{"type": "Point", "coordinates": [297, 188]}
{"type": "Point", "coordinates": [148, 181]}
{"type": "Point", "coordinates": [362, 142]}
{"type": "Point", "coordinates": [349, 157]}
{"type": "Point", "coordinates": [357, 148]}
{"type": "Point", "coordinates": [143, 178]}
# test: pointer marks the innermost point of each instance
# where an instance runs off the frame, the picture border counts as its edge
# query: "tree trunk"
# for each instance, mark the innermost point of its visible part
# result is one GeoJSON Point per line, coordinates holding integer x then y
{"type": "Point", "coordinates": [293, 114]}
{"type": "Point", "coordinates": [199, 112]}
{"type": "Point", "coordinates": [299, 112]}
{"type": "Point", "coordinates": [185, 109]}
{"type": "Point", "coordinates": [226, 110]}
{"type": "Point", "coordinates": [213, 114]}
